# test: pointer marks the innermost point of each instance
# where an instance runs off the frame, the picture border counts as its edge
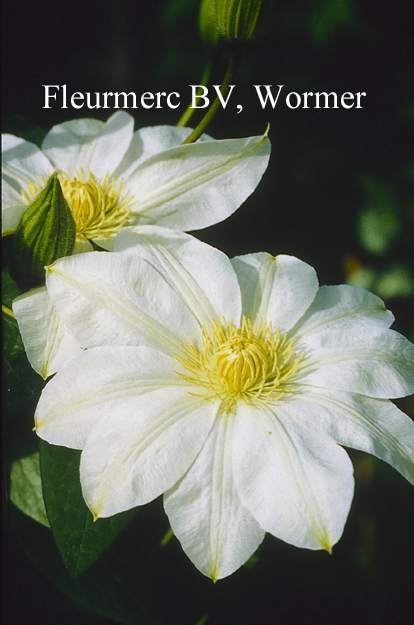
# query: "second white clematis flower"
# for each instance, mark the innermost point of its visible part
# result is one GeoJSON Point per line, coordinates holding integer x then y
{"type": "Point", "coordinates": [111, 177]}
{"type": "Point", "coordinates": [227, 386]}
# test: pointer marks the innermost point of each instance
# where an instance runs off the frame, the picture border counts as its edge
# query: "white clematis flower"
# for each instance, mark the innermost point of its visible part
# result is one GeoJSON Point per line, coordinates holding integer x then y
{"type": "Point", "coordinates": [112, 177]}
{"type": "Point", "coordinates": [228, 386]}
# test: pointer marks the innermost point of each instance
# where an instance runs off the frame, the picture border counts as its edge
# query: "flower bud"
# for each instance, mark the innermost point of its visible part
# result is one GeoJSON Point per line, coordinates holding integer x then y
{"type": "Point", "coordinates": [46, 230]}
{"type": "Point", "coordinates": [208, 27]}
{"type": "Point", "coordinates": [237, 19]}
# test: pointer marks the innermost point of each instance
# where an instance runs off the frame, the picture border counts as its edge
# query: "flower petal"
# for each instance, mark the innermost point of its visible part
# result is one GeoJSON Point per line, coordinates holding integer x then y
{"type": "Point", "coordinates": [297, 483]}
{"type": "Point", "coordinates": [107, 380]}
{"type": "Point", "coordinates": [22, 161]}
{"type": "Point", "coordinates": [216, 531]}
{"type": "Point", "coordinates": [201, 274]}
{"type": "Point", "coordinates": [341, 315]}
{"type": "Point", "coordinates": [277, 289]}
{"type": "Point", "coordinates": [137, 452]}
{"type": "Point", "coordinates": [380, 366]}
{"type": "Point", "coordinates": [348, 347]}
{"type": "Point", "coordinates": [149, 141]}
{"type": "Point", "coordinates": [118, 299]}
{"type": "Point", "coordinates": [199, 184]}
{"type": "Point", "coordinates": [90, 144]}
{"type": "Point", "coordinates": [372, 425]}
{"type": "Point", "coordinates": [47, 341]}
{"type": "Point", "coordinates": [13, 208]}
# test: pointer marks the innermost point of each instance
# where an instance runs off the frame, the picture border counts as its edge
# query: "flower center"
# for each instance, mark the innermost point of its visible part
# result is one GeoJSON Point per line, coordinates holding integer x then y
{"type": "Point", "coordinates": [97, 208]}
{"type": "Point", "coordinates": [246, 363]}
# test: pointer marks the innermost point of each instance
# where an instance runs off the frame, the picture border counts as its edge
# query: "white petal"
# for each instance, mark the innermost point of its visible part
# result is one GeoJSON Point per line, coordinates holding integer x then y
{"type": "Point", "coordinates": [340, 316]}
{"type": "Point", "coordinates": [97, 383]}
{"type": "Point", "coordinates": [22, 161]}
{"type": "Point", "coordinates": [118, 299]}
{"type": "Point", "coordinates": [47, 341]}
{"type": "Point", "coordinates": [149, 141]}
{"type": "Point", "coordinates": [372, 425]}
{"type": "Point", "coordinates": [378, 366]}
{"type": "Point", "coordinates": [137, 452]}
{"type": "Point", "coordinates": [201, 274]}
{"type": "Point", "coordinates": [196, 185]}
{"type": "Point", "coordinates": [216, 531]}
{"type": "Point", "coordinates": [297, 483]}
{"type": "Point", "coordinates": [13, 208]}
{"type": "Point", "coordinates": [82, 246]}
{"type": "Point", "coordinates": [275, 288]}
{"type": "Point", "coordinates": [90, 144]}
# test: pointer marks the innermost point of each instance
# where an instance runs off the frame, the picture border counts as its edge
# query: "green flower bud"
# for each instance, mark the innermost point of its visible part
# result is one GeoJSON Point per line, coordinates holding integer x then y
{"type": "Point", "coordinates": [46, 230]}
{"type": "Point", "coordinates": [208, 27]}
{"type": "Point", "coordinates": [237, 19]}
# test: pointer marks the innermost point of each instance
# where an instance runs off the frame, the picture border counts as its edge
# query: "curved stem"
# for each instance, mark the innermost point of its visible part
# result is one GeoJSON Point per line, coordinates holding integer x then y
{"type": "Point", "coordinates": [7, 311]}
{"type": "Point", "coordinates": [189, 111]}
{"type": "Point", "coordinates": [231, 70]}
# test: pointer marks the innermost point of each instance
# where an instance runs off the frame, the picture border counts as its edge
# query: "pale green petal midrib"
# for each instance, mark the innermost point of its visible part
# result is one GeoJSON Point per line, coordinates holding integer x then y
{"type": "Point", "coordinates": [19, 176]}
{"type": "Point", "coordinates": [159, 426]}
{"type": "Point", "coordinates": [302, 482]}
{"type": "Point", "coordinates": [179, 186]}
{"type": "Point", "coordinates": [260, 304]}
{"type": "Point", "coordinates": [329, 402]}
{"type": "Point", "coordinates": [322, 324]}
{"type": "Point", "coordinates": [329, 355]}
{"type": "Point", "coordinates": [50, 347]}
{"type": "Point", "coordinates": [191, 292]}
{"type": "Point", "coordinates": [217, 486]}
{"type": "Point", "coordinates": [112, 392]}
{"type": "Point", "coordinates": [130, 314]}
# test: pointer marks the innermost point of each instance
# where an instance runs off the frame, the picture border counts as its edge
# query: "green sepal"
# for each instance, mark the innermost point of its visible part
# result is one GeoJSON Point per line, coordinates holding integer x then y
{"type": "Point", "coordinates": [80, 539]}
{"type": "Point", "coordinates": [46, 231]}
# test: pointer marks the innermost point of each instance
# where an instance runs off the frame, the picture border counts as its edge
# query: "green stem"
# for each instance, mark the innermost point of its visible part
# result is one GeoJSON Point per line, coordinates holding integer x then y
{"type": "Point", "coordinates": [189, 111]}
{"type": "Point", "coordinates": [7, 311]}
{"type": "Point", "coordinates": [231, 70]}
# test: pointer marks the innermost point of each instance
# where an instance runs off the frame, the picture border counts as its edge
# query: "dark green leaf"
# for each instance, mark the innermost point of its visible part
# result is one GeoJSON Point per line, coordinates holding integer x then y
{"type": "Point", "coordinates": [10, 288]}
{"type": "Point", "coordinates": [80, 540]}
{"type": "Point", "coordinates": [21, 384]}
{"type": "Point", "coordinates": [104, 590]}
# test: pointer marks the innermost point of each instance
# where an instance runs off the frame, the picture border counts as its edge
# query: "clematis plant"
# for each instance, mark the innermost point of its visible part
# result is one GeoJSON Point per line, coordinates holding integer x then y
{"type": "Point", "coordinates": [112, 177]}
{"type": "Point", "coordinates": [228, 386]}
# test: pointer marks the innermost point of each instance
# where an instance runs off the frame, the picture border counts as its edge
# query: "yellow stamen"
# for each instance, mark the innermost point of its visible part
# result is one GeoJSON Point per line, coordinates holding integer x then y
{"type": "Point", "coordinates": [97, 208]}
{"type": "Point", "coordinates": [246, 363]}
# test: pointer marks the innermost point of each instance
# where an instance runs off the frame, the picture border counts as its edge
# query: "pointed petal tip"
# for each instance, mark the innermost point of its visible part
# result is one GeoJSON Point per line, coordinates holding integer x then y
{"type": "Point", "coordinates": [327, 545]}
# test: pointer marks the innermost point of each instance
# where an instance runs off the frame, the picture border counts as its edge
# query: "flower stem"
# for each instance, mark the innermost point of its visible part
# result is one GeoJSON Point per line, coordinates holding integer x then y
{"type": "Point", "coordinates": [7, 311]}
{"type": "Point", "coordinates": [231, 70]}
{"type": "Point", "coordinates": [189, 111]}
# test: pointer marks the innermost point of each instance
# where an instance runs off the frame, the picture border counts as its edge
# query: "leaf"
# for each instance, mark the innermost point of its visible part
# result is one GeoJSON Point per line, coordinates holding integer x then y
{"type": "Point", "coordinates": [21, 384]}
{"type": "Point", "coordinates": [105, 590]}
{"type": "Point", "coordinates": [80, 540]}
{"type": "Point", "coordinates": [26, 488]}
{"type": "Point", "coordinates": [10, 288]}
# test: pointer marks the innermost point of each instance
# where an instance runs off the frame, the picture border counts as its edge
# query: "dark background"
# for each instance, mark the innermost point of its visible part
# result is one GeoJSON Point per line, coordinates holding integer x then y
{"type": "Point", "coordinates": [337, 177]}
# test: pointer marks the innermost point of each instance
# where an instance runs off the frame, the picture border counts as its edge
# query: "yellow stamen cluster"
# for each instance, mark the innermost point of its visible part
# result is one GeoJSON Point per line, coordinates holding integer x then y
{"type": "Point", "coordinates": [246, 363]}
{"type": "Point", "coordinates": [97, 208]}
